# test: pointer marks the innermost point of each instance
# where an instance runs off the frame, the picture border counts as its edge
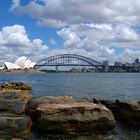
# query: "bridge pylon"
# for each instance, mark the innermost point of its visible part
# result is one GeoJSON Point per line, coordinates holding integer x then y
{"type": "Point", "coordinates": [56, 68]}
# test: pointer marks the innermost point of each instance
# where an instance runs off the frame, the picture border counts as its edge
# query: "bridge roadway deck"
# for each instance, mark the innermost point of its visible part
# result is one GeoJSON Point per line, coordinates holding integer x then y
{"type": "Point", "coordinates": [68, 65]}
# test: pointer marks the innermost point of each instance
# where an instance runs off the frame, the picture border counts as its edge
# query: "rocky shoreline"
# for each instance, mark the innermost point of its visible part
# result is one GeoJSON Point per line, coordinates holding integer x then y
{"type": "Point", "coordinates": [14, 123]}
{"type": "Point", "coordinates": [19, 113]}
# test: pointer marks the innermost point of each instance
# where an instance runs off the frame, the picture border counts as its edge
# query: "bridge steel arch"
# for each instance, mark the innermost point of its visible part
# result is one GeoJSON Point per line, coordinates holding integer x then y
{"type": "Point", "coordinates": [61, 60]}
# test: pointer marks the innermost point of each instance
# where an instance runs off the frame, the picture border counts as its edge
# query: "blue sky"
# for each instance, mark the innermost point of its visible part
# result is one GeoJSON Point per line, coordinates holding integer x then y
{"type": "Point", "coordinates": [30, 24]}
{"type": "Point", "coordinates": [40, 28]}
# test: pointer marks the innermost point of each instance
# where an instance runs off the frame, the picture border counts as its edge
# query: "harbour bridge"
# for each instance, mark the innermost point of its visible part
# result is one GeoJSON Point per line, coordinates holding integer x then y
{"type": "Point", "coordinates": [69, 60]}
{"type": "Point", "coordinates": [79, 60]}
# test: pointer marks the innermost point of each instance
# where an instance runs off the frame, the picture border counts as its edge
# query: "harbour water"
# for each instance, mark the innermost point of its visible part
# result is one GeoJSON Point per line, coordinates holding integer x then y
{"type": "Point", "coordinates": [91, 85]}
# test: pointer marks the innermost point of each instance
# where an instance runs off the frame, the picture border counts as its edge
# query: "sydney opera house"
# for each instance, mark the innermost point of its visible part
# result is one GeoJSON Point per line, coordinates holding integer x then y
{"type": "Point", "coordinates": [20, 63]}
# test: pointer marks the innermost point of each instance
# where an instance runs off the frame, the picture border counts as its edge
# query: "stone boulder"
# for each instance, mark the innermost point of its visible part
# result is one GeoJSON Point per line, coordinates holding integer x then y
{"type": "Point", "coordinates": [14, 101]}
{"type": "Point", "coordinates": [14, 106]}
{"type": "Point", "coordinates": [111, 104]}
{"type": "Point", "coordinates": [65, 115]}
{"type": "Point", "coordinates": [12, 125]}
{"type": "Point", "coordinates": [12, 95]}
{"type": "Point", "coordinates": [36, 101]}
{"type": "Point", "coordinates": [15, 86]}
{"type": "Point", "coordinates": [129, 111]}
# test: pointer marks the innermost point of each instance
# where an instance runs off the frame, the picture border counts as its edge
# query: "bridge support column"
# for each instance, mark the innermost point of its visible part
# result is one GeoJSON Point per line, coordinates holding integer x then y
{"type": "Point", "coordinates": [56, 68]}
{"type": "Point", "coordinates": [105, 66]}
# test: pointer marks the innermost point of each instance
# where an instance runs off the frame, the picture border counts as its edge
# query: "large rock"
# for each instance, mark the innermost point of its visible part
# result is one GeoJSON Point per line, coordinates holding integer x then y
{"type": "Point", "coordinates": [13, 121]}
{"type": "Point", "coordinates": [36, 101]}
{"type": "Point", "coordinates": [68, 116]}
{"type": "Point", "coordinates": [12, 125]}
{"type": "Point", "coordinates": [129, 111]}
{"type": "Point", "coordinates": [14, 101]}
{"type": "Point", "coordinates": [15, 106]}
{"type": "Point", "coordinates": [111, 104]}
{"type": "Point", "coordinates": [12, 95]}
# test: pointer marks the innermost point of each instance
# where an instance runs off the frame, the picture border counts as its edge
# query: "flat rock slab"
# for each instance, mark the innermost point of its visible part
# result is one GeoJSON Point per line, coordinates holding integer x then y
{"type": "Point", "coordinates": [14, 101]}
{"type": "Point", "coordinates": [36, 101]}
{"type": "Point", "coordinates": [15, 94]}
{"type": "Point", "coordinates": [12, 125]}
{"type": "Point", "coordinates": [128, 111]}
{"type": "Point", "coordinates": [74, 117]}
{"type": "Point", "coordinates": [15, 106]}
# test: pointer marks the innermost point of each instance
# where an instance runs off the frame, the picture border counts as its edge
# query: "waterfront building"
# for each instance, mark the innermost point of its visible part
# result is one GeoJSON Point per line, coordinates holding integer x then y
{"type": "Point", "coordinates": [20, 63]}
{"type": "Point", "coordinates": [118, 64]}
{"type": "Point", "coordinates": [137, 61]}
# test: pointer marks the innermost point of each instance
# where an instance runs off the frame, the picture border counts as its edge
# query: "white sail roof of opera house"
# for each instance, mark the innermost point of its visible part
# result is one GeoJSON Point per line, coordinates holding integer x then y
{"type": "Point", "coordinates": [21, 63]}
{"type": "Point", "coordinates": [10, 65]}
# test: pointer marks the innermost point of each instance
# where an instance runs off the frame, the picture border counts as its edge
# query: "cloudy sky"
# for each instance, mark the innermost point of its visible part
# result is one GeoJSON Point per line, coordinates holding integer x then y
{"type": "Point", "coordinates": [100, 29]}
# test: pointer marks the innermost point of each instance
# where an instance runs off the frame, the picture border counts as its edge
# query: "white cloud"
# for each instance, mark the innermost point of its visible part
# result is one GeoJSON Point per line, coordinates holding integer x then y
{"type": "Point", "coordinates": [15, 4]}
{"type": "Point", "coordinates": [70, 38]}
{"type": "Point", "coordinates": [59, 13]}
{"type": "Point", "coordinates": [94, 28]}
{"type": "Point", "coordinates": [52, 41]}
{"type": "Point", "coordinates": [100, 41]}
{"type": "Point", "coordinates": [14, 35]}
{"type": "Point", "coordinates": [126, 33]}
{"type": "Point", "coordinates": [128, 55]}
{"type": "Point", "coordinates": [14, 42]}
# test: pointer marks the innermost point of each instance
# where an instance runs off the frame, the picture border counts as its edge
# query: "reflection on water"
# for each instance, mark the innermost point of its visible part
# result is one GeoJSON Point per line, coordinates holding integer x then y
{"type": "Point", "coordinates": [76, 138]}
{"type": "Point", "coordinates": [122, 132]}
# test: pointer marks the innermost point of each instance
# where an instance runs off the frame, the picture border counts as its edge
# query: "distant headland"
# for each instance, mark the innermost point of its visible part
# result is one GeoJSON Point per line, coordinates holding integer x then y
{"type": "Point", "coordinates": [83, 64]}
{"type": "Point", "coordinates": [20, 71]}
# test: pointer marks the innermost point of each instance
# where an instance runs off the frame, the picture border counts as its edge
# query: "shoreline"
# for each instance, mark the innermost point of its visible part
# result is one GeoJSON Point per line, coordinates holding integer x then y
{"type": "Point", "coordinates": [21, 71]}
{"type": "Point", "coordinates": [32, 71]}
{"type": "Point", "coordinates": [44, 114]}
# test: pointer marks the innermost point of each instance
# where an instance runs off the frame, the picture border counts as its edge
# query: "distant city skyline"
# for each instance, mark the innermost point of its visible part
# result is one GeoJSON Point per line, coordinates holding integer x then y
{"type": "Point", "coordinates": [99, 29]}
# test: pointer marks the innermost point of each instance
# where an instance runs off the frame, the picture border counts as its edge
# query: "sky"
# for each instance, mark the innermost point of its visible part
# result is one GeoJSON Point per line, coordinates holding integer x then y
{"type": "Point", "coordinates": [99, 29]}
